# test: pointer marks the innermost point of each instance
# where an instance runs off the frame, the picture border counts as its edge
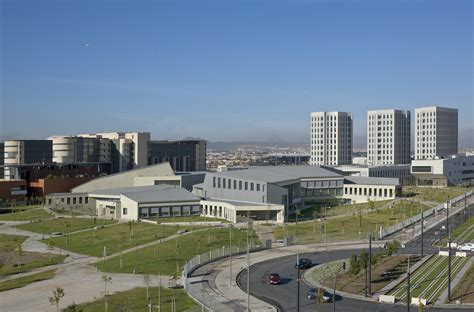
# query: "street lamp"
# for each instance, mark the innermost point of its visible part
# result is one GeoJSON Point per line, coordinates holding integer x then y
{"type": "Point", "coordinates": [343, 267]}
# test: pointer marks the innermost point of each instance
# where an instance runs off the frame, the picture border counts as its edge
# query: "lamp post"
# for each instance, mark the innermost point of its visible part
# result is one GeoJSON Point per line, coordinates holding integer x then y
{"type": "Point", "coordinates": [370, 264]}
{"type": "Point", "coordinates": [343, 267]}
{"type": "Point", "coordinates": [230, 255]}
{"type": "Point", "coordinates": [408, 286]}
{"type": "Point", "coordinates": [298, 281]}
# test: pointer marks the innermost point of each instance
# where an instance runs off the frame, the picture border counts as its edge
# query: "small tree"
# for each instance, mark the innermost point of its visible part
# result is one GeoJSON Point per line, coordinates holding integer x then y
{"type": "Point", "coordinates": [354, 266]}
{"type": "Point", "coordinates": [106, 279]}
{"type": "Point", "coordinates": [19, 251]}
{"type": "Point", "coordinates": [146, 280]}
{"type": "Point", "coordinates": [320, 299]}
{"type": "Point", "coordinates": [58, 294]}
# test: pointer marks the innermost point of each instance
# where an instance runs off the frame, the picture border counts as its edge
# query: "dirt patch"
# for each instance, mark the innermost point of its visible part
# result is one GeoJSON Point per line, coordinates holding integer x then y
{"type": "Point", "coordinates": [10, 260]}
{"type": "Point", "coordinates": [383, 272]}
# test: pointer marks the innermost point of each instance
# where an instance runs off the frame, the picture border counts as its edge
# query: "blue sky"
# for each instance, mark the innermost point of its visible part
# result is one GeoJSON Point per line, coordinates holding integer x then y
{"type": "Point", "coordinates": [228, 70]}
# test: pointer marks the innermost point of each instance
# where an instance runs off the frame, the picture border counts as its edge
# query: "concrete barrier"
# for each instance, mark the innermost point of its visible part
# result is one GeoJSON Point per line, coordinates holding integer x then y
{"type": "Point", "coordinates": [461, 254]}
{"type": "Point", "coordinates": [443, 253]}
{"type": "Point", "coordinates": [418, 301]}
{"type": "Point", "coordinates": [387, 299]}
{"type": "Point", "coordinates": [453, 245]}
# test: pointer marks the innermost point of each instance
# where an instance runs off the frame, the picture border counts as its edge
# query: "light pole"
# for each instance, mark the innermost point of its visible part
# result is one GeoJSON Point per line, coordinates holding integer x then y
{"type": "Point", "coordinates": [298, 281]}
{"type": "Point", "coordinates": [248, 262]}
{"type": "Point", "coordinates": [343, 267]}
{"type": "Point", "coordinates": [230, 255]}
{"type": "Point", "coordinates": [422, 230]}
{"type": "Point", "coordinates": [370, 264]}
{"type": "Point", "coordinates": [408, 285]}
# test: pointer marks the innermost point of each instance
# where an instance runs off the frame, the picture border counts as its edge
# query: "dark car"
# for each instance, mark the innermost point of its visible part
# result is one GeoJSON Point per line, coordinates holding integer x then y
{"type": "Point", "coordinates": [313, 293]}
{"type": "Point", "coordinates": [304, 264]}
{"type": "Point", "coordinates": [274, 279]}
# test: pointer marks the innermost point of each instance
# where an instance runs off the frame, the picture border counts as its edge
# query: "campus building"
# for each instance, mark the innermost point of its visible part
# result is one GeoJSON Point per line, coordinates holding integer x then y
{"type": "Point", "coordinates": [388, 137]}
{"type": "Point", "coordinates": [183, 155]}
{"type": "Point", "coordinates": [289, 186]}
{"type": "Point", "coordinates": [24, 152]}
{"type": "Point", "coordinates": [401, 172]}
{"type": "Point", "coordinates": [76, 149]}
{"type": "Point", "coordinates": [331, 138]}
{"type": "Point", "coordinates": [2, 159]}
{"type": "Point", "coordinates": [436, 132]}
{"type": "Point", "coordinates": [456, 170]}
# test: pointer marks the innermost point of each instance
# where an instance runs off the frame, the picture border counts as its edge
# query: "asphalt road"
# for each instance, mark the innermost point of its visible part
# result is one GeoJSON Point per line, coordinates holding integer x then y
{"type": "Point", "coordinates": [284, 296]}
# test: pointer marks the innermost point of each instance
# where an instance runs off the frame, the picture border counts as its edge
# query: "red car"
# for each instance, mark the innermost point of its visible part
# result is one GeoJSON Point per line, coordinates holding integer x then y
{"type": "Point", "coordinates": [274, 279]}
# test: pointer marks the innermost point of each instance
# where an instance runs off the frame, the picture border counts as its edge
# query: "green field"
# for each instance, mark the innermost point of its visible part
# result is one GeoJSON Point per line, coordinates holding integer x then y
{"type": "Point", "coordinates": [163, 258]}
{"type": "Point", "coordinates": [136, 300]}
{"type": "Point", "coordinates": [10, 242]}
{"type": "Point", "coordinates": [26, 280]}
{"type": "Point", "coordinates": [27, 215]}
{"type": "Point", "coordinates": [114, 238]}
{"type": "Point", "coordinates": [65, 225]}
{"type": "Point", "coordinates": [347, 227]}
{"type": "Point", "coordinates": [462, 234]}
{"type": "Point", "coordinates": [430, 280]}
{"type": "Point", "coordinates": [439, 195]}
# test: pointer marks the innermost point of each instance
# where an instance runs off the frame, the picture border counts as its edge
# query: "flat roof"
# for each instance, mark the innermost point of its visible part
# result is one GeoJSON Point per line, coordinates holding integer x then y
{"type": "Point", "coordinates": [275, 174]}
{"type": "Point", "coordinates": [169, 194]}
{"type": "Point", "coordinates": [371, 181]}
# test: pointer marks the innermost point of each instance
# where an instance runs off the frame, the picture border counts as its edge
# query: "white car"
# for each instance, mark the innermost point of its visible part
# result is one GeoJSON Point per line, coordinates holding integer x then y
{"type": "Point", "coordinates": [466, 247]}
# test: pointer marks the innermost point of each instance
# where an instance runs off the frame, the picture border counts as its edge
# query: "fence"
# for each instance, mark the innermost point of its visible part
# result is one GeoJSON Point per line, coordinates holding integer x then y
{"type": "Point", "coordinates": [384, 232]}
{"type": "Point", "coordinates": [195, 289]}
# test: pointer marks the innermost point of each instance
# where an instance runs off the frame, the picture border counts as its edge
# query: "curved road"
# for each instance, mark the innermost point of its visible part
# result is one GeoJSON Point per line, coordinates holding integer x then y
{"type": "Point", "coordinates": [284, 296]}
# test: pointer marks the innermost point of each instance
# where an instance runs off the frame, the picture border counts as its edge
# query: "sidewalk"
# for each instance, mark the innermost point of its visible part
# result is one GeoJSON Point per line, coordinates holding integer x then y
{"type": "Point", "coordinates": [213, 285]}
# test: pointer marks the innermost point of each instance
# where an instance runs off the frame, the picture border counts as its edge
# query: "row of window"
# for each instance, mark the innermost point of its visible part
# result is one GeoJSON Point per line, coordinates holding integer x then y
{"type": "Point", "coordinates": [364, 191]}
{"type": "Point", "coordinates": [67, 200]}
{"type": "Point", "coordinates": [230, 184]}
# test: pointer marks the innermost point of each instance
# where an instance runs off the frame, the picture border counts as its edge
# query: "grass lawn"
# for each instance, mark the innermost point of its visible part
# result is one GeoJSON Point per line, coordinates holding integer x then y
{"type": "Point", "coordinates": [136, 300]}
{"type": "Point", "coordinates": [163, 258]}
{"type": "Point", "coordinates": [27, 215]}
{"type": "Point", "coordinates": [26, 280]}
{"type": "Point", "coordinates": [430, 280]}
{"type": "Point", "coordinates": [347, 227]}
{"type": "Point", "coordinates": [320, 211]}
{"type": "Point", "coordinates": [438, 195]}
{"type": "Point", "coordinates": [64, 225]}
{"type": "Point", "coordinates": [10, 242]}
{"type": "Point", "coordinates": [464, 291]}
{"type": "Point", "coordinates": [114, 238]}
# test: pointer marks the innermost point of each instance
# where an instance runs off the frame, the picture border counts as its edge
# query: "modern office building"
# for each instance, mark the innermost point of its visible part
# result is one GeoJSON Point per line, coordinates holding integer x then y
{"type": "Point", "coordinates": [436, 132]}
{"type": "Point", "coordinates": [21, 152]}
{"type": "Point", "coordinates": [290, 187]}
{"type": "Point", "coordinates": [76, 149]}
{"type": "Point", "coordinates": [388, 137]}
{"type": "Point", "coordinates": [183, 155]}
{"type": "Point", "coordinates": [127, 149]}
{"type": "Point", "coordinates": [331, 138]}
{"type": "Point", "coordinates": [456, 170]}
{"type": "Point", "coordinates": [2, 158]}
{"type": "Point", "coordinates": [401, 172]}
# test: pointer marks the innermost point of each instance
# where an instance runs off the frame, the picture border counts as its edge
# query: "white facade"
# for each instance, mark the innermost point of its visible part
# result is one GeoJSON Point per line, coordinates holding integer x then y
{"type": "Point", "coordinates": [331, 138]}
{"type": "Point", "coordinates": [444, 172]}
{"type": "Point", "coordinates": [232, 210]}
{"type": "Point", "coordinates": [436, 132]}
{"type": "Point", "coordinates": [388, 137]}
{"type": "Point", "coordinates": [73, 149]}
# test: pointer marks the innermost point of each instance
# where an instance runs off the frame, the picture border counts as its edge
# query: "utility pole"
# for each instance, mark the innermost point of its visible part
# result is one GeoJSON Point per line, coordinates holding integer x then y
{"type": "Point", "coordinates": [230, 255]}
{"type": "Point", "coordinates": [408, 286]}
{"type": "Point", "coordinates": [298, 281]}
{"type": "Point", "coordinates": [370, 264]}
{"type": "Point", "coordinates": [422, 229]}
{"type": "Point", "coordinates": [248, 262]}
{"type": "Point", "coordinates": [449, 268]}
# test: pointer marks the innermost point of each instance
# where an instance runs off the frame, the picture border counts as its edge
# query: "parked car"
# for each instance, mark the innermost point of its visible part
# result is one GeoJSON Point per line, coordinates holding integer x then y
{"type": "Point", "coordinates": [466, 247]}
{"type": "Point", "coordinates": [274, 279]}
{"type": "Point", "coordinates": [313, 293]}
{"type": "Point", "coordinates": [304, 263]}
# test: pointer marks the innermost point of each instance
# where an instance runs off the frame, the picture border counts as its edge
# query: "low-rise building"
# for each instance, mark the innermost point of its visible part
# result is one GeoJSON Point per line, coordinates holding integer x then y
{"type": "Point", "coordinates": [442, 172]}
{"type": "Point", "coordinates": [363, 189]}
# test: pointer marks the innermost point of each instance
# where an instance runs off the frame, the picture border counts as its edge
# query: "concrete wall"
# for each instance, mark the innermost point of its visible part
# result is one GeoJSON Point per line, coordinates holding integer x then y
{"type": "Point", "coordinates": [364, 193]}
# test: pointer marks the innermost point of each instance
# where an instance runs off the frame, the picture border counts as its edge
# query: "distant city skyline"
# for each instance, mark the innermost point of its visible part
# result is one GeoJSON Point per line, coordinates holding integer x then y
{"type": "Point", "coordinates": [233, 71]}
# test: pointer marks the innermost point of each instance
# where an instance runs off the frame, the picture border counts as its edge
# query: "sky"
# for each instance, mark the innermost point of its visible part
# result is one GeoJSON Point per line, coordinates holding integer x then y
{"type": "Point", "coordinates": [228, 70]}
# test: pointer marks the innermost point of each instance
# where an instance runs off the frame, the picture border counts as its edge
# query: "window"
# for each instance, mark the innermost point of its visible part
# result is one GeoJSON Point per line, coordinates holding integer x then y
{"type": "Point", "coordinates": [213, 181]}
{"type": "Point", "coordinates": [80, 200]}
{"type": "Point", "coordinates": [74, 200]}
{"type": "Point", "coordinates": [124, 211]}
{"type": "Point", "coordinates": [246, 186]}
{"type": "Point", "coordinates": [86, 200]}
{"type": "Point", "coordinates": [235, 184]}
{"type": "Point", "coordinates": [68, 201]}
{"type": "Point", "coordinates": [251, 186]}
{"type": "Point", "coordinates": [240, 185]}
{"type": "Point", "coordinates": [223, 182]}
{"type": "Point", "coordinates": [258, 187]}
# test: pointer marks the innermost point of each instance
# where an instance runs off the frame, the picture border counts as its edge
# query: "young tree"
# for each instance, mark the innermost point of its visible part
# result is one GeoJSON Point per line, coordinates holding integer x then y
{"type": "Point", "coordinates": [19, 251]}
{"type": "Point", "coordinates": [146, 280]}
{"type": "Point", "coordinates": [354, 266]}
{"type": "Point", "coordinates": [364, 263]}
{"type": "Point", "coordinates": [106, 279]}
{"type": "Point", "coordinates": [319, 299]}
{"type": "Point", "coordinates": [58, 294]}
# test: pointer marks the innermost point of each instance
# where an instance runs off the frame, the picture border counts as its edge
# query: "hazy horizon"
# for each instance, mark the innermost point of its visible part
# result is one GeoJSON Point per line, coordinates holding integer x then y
{"type": "Point", "coordinates": [228, 71]}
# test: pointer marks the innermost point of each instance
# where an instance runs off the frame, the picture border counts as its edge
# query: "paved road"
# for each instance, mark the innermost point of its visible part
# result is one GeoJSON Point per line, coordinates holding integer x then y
{"type": "Point", "coordinates": [435, 234]}
{"type": "Point", "coordinates": [285, 296]}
